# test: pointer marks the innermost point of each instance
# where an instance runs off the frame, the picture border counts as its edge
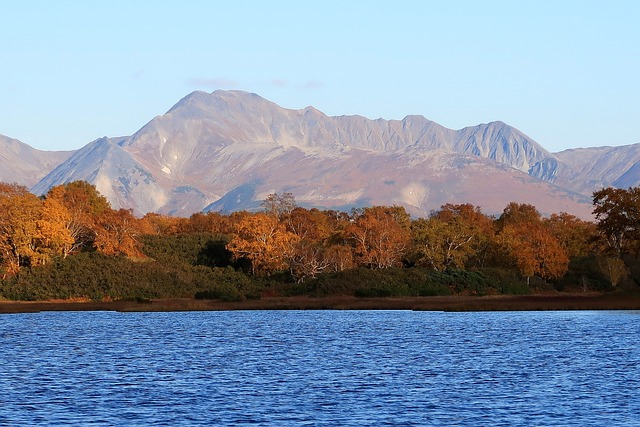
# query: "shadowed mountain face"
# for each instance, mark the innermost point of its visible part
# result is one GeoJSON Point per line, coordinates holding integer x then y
{"type": "Point", "coordinates": [229, 149]}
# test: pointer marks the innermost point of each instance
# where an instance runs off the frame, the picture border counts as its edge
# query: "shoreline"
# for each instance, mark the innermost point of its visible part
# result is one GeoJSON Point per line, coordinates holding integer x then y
{"type": "Point", "coordinates": [536, 302]}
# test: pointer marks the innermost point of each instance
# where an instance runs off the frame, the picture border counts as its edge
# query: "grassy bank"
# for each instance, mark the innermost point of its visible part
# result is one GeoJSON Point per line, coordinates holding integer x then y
{"type": "Point", "coordinates": [458, 303]}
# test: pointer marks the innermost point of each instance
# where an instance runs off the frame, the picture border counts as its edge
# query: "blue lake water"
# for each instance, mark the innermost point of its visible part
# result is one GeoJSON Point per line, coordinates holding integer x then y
{"type": "Point", "coordinates": [320, 368]}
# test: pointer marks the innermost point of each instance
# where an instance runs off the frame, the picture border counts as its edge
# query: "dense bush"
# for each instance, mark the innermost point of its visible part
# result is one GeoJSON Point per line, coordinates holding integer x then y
{"type": "Point", "coordinates": [587, 273]}
{"type": "Point", "coordinates": [227, 284]}
{"type": "Point", "coordinates": [506, 281]}
{"type": "Point", "coordinates": [419, 282]}
{"type": "Point", "coordinates": [194, 249]}
{"type": "Point", "coordinates": [378, 283]}
{"type": "Point", "coordinates": [100, 277]}
{"type": "Point", "coordinates": [86, 275]}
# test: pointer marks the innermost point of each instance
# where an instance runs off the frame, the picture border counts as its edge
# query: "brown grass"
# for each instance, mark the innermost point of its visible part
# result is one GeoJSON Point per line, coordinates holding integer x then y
{"type": "Point", "coordinates": [560, 301]}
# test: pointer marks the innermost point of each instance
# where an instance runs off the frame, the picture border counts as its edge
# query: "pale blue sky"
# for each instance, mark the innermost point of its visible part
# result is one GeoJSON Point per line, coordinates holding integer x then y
{"type": "Point", "coordinates": [563, 72]}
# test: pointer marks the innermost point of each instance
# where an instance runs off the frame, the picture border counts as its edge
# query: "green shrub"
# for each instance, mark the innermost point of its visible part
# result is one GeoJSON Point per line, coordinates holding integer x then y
{"type": "Point", "coordinates": [463, 281]}
{"type": "Point", "coordinates": [379, 283]}
{"type": "Point", "coordinates": [194, 249]}
{"type": "Point", "coordinates": [99, 277]}
{"type": "Point", "coordinates": [585, 274]}
{"type": "Point", "coordinates": [226, 284]}
{"type": "Point", "coordinates": [506, 281]}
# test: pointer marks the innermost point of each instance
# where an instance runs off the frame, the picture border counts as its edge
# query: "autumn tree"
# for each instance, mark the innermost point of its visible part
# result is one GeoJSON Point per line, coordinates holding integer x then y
{"type": "Point", "coordinates": [163, 225]}
{"type": "Point", "coordinates": [85, 205]}
{"type": "Point", "coordinates": [576, 236]}
{"type": "Point", "coordinates": [32, 232]}
{"type": "Point", "coordinates": [54, 235]}
{"type": "Point", "coordinates": [279, 205]}
{"type": "Point", "coordinates": [117, 233]}
{"type": "Point", "coordinates": [19, 212]}
{"type": "Point", "coordinates": [380, 236]}
{"type": "Point", "coordinates": [263, 240]}
{"type": "Point", "coordinates": [209, 222]}
{"type": "Point", "coordinates": [338, 251]}
{"type": "Point", "coordinates": [452, 237]}
{"type": "Point", "coordinates": [529, 244]}
{"type": "Point", "coordinates": [339, 258]}
{"type": "Point", "coordinates": [310, 252]}
{"type": "Point", "coordinates": [617, 213]}
{"type": "Point", "coordinates": [518, 213]}
{"type": "Point", "coordinates": [534, 250]}
{"type": "Point", "coordinates": [9, 190]}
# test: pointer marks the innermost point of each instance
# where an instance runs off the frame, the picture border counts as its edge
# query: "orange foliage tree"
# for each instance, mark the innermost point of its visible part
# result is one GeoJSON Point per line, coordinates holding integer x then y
{"type": "Point", "coordinates": [163, 225]}
{"type": "Point", "coordinates": [310, 252]}
{"type": "Point", "coordinates": [210, 222]}
{"type": "Point", "coordinates": [380, 236]}
{"type": "Point", "coordinates": [576, 236]}
{"type": "Point", "coordinates": [339, 253]}
{"type": "Point", "coordinates": [84, 205]}
{"type": "Point", "coordinates": [19, 211]}
{"type": "Point", "coordinates": [529, 244]}
{"type": "Point", "coordinates": [32, 232]}
{"type": "Point", "coordinates": [263, 240]}
{"type": "Point", "coordinates": [117, 233]}
{"type": "Point", "coordinates": [53, 234]}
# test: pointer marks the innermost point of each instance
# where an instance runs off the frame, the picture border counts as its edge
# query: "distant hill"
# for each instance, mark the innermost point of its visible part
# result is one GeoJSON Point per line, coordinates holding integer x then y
{"type": "Point", "coordinates": [25, 165]}
{"type": "Point", "coordinates": [590, 168]}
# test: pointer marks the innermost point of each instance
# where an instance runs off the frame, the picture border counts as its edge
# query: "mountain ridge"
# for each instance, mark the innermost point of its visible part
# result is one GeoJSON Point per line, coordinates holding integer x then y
{"type": "Point", "coordinates": [218, 150]}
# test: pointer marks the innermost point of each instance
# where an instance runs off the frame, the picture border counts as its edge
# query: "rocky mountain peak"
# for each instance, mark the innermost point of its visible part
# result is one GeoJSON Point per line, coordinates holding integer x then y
{"type": "Point", "coordinates": [229, 149]}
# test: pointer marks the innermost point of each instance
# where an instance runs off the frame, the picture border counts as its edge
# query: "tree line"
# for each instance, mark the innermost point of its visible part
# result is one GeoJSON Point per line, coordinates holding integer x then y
{"type": "Point", "coordinates": [301, 244]}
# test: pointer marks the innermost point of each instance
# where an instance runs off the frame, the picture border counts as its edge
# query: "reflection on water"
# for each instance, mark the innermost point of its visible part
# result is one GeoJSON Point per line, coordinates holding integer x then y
{"type": "Point", "coordinates": [320, 368]}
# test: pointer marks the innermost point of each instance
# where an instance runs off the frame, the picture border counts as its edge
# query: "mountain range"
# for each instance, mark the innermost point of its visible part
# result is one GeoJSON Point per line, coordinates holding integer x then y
{"type": "Point", "coordinates": [228, 150]}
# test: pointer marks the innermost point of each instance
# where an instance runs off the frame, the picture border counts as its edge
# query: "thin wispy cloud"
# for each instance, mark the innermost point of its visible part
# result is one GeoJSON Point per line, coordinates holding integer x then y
{"type": "Point", "coordinates": [312, 84]}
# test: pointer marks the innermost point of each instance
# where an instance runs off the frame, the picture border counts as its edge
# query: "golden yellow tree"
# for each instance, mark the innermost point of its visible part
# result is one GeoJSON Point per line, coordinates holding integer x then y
{"type": "Point", "coordinates": [210, 222]}
{"type": "Point", "coordinates": [452, 237]}
{"type": "Point", "coordinates": [339, 252]}
{"type": "Point", "coordinates": [32, 231]}
{"type": "Point", "coordinates": [339, 258]}
{"type": "Point", "coordinates": [84, 204]}
{"type": "Point", "coordinates": [54, 237]}
{"type": "Point", "coordinates": [576, 236]}
{"type": "Point", "coordinates": [157, 224]}
{"type": "Point", "coordinates": [19, 213]}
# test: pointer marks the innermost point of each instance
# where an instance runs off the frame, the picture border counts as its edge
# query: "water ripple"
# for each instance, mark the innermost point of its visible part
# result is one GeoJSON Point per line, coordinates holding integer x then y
{"type": "Point", "coordinates": [320, 368]}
